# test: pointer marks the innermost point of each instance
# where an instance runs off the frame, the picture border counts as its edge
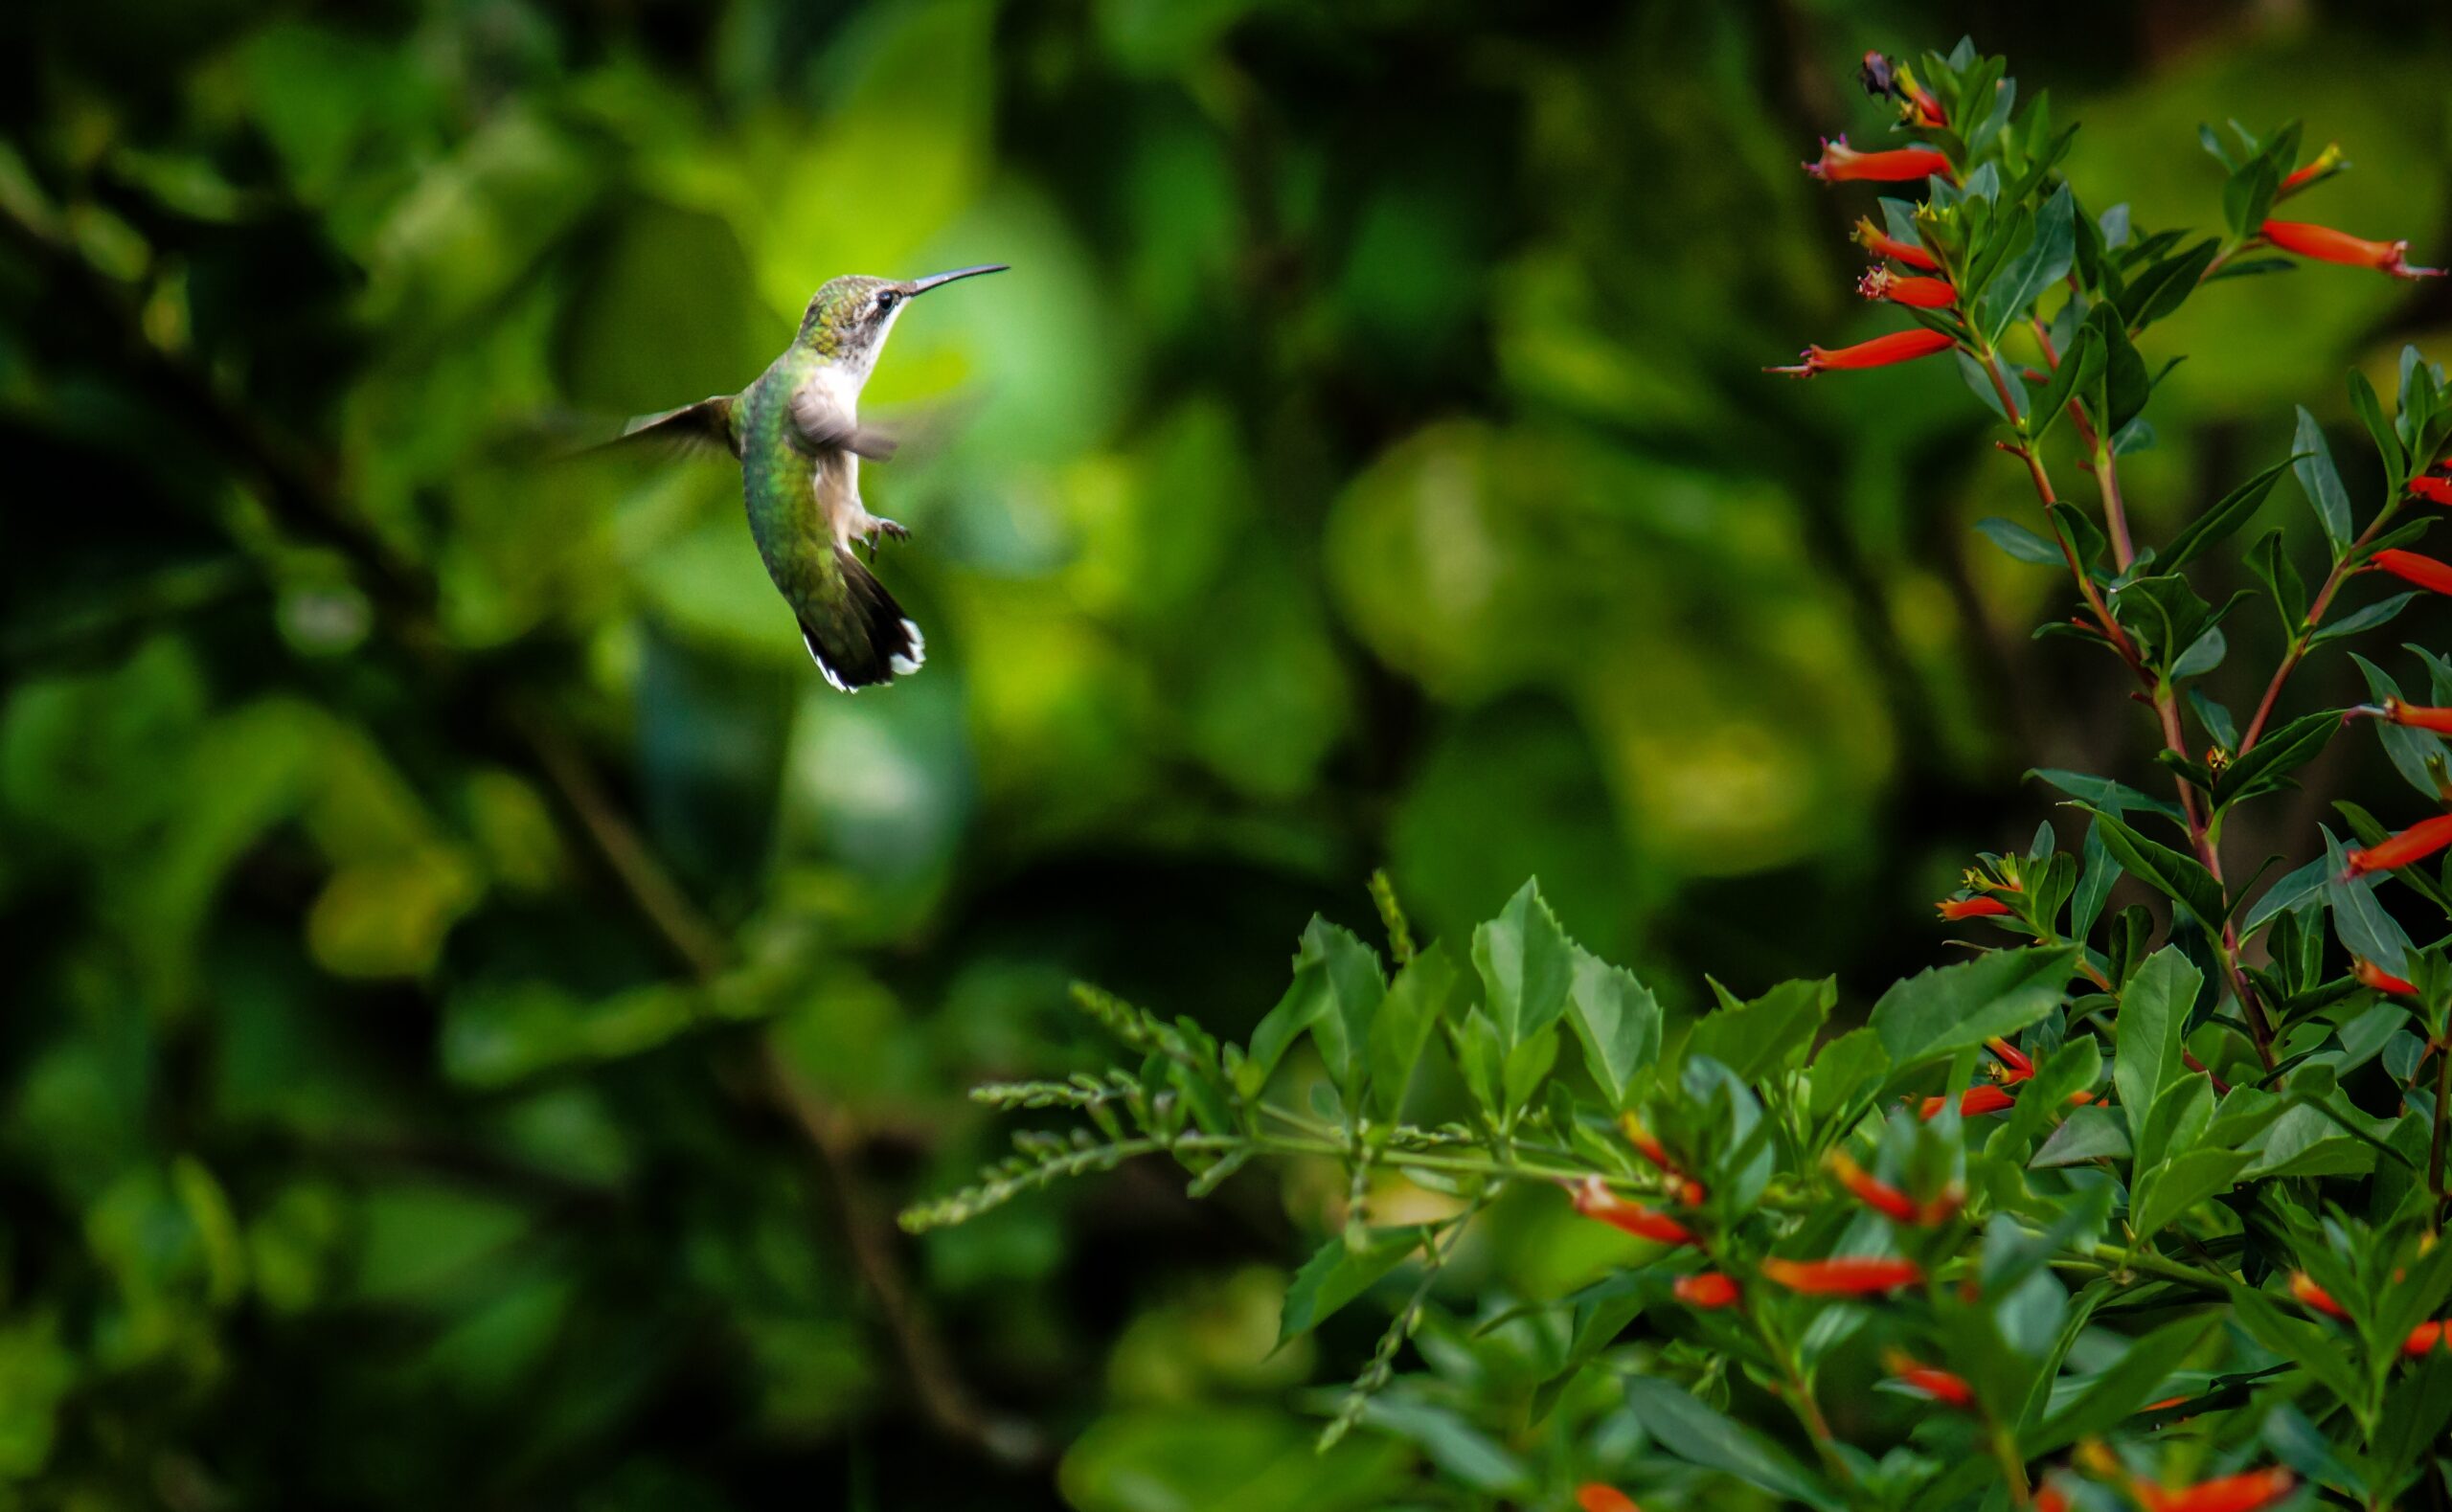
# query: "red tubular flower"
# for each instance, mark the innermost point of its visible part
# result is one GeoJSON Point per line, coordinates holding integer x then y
{"type": "Point", "coordinates": [1690, 1191]}
{"type": "Point", "coordinates": [1937, 1386]}
{"type": "Point", "coordinates": [1972, 1103]}
{"type": "Point", "coordinates": [2303, 1287]}
{"type": "Point", "coordinates": [1956, 909]}
{"type": "Point", "coordinates": [1848, 1275]}
{"type": "Point", "coordinates": [2416, 718]}
{"type": "Point", "coordinates": [1881, 244]}
{"type": "Point", "coordinates": [1888, 1201]}
{"type": "Point", "coordinates": [1881, 283]}
{"type": "Point", "coordinates": [2231, 1494]}
{"type": "Point", "coordinates": [2372, 975]}
{"type": "Point", "coordinates": [1899, 346]}
{"type": "Point", "coordinates": [1594, 1198]}
{"type": "Point", "coordinates": [2015, 1066]}
{"type": "Point", "coordinates": [2417, 843]}
{"type": "Point", "coordinates": [1706, 1290]}
{"type": "Point", "coordinates": [2412, 568]}
{"type": "Point", "coordinates": [2051, 1498]}
{"type": "Point", "coordinates": [2324, 245]}
{"type": "Point", "coordinates": [1594, 1497]}
{"type": "Point", "coordinates": [1841, 163]}
{"type": "Point", "coordinates": [2431, 488]}
{"type": "Point", "coordinates": [2320, 166]}
{"type": "Point", "coordinates": [2423, 1338]}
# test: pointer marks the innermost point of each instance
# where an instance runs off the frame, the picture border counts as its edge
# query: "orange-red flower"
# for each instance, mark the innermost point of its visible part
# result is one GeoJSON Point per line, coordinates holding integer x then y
{"type": "Point", "coordinates": [2051, 1498]}
{"type": "Point", "coordinates": [1956, 909]}
{"type": "Point", "coordinates": [1705, 1288]}
{"type": "Point", "coordinates": [1847, 1276]}
{"type": "Point", "coordinates": [2324, 245]}
{"type": "Point", "coordinates": [2303, 1287]}
{"type": "Point", "coordinates": [1594, 1497]}
{"type": "Point", "coordinates": [1881, 244]}
{"type": "Point", "coordinates": [2423, 1338]}
{"type": "Point", "coordinates": [2417, 843]}
{"type": "Point", "coordinates": [1899, 346]}
{"type": "Point", "coordinates": [1972, 1103]}
{"type": "Point", "coordinates": [2412, 568]}
{"type": "Point", "coordinates": [2431, 488]}
{"type": "Point", "coordinates": [2416, 717]}
{"type": "Point", "coordinates": [2320, 166]}
{"type": "Point", "coordinates": [1881, 283]}
{"type": "Point", "coordinates": [2372, 975]}
{"type": "Point", "coordinates": [2015, 1065]}
{"type": "Point", "coordinates": [1888, 1201]}
{"type": "Point", "coordinates": [1840, 163]}
{"type": "Point", "coordinates": [1934, 1385]}
{"type": "Point", "coordinates": [1594, 1198]}
{"type": "Point", "coordinates": [2231, 1494]}
{"type": "Point", "coordinates": [1690, 1191]}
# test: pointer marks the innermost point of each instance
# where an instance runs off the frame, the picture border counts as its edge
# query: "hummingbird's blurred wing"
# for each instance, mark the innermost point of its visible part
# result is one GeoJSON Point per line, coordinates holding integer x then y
{"type": "Point", "coordinates": [705, 426]}
{"type": "Point", "coordinates": [819, 424]}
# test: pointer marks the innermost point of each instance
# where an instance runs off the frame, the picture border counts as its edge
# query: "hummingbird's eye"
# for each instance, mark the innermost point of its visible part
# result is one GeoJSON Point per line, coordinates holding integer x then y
{"type": "Point", "coordinates": [887, 300]}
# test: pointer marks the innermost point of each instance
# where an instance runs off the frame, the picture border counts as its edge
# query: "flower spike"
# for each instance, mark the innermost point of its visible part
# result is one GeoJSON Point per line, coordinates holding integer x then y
{"type": "Point", "coordinates": [2315, 170]}
{"type": "Point", "coordinates": [2324, 245]}
{"type": "Point", "coordinates": [2372, 975]}
{"type": "Point", "coordinates": [1925, 1381]}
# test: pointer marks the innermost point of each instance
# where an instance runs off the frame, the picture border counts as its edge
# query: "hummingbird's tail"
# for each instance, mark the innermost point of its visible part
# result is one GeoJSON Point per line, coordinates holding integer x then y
{"type": "Point", "coordinates": [874, 642]}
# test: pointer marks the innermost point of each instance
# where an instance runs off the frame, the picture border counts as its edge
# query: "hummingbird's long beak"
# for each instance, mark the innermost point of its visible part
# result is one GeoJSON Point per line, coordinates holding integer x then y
{"type": "Point", "coordinates": [934, 279]}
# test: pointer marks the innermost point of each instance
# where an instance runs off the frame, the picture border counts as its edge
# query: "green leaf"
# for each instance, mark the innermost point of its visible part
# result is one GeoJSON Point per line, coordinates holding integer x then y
{"type": "Point", "coordinates": [2121, 389]}
{"type": "Point", "coordinates": [2217, 524]}
{"type": "Point", "coordinates": [1527, 966]}
{"type": "Point", "coordinates": [2320, 481]}
{"type": "Point", "coordinates": [2310, 1346]}
{"type": "Point", "coordinates": [1342, 1270]}
{"type": "Point", "coordinates": [2410, 750]}
{"type": "Point", "coordinates": [1413, 1007]}
{"type": "Point", "coordinates": [2044, 263]}
{"type": "Point", "coordinates": [1618, 1019]}
{"type": "Point", "coordinates": [2176, 876]}
{"type": "Point", "coordinates": [1346, 972]}
{"type": "Point", "coordinates": [1688, 1429]}
{"type": "Point", "coordinates": [2278, 753]}
{"type": "Point", "coordinates": [2280, 578]}
{"type": "Point", "coordinates": [2112, 1395]}
{"type": "Point", "coordinates": [2080, 370]}
{"type": "Point", "coordinates": [2367, 618]}
{"type": "Point", "coordinates": [2020, 542]}
{"type": "Point", "coordinates": [2152, 1025]}
{"type": "Point", "coordinates": [2088, 1134]}
{"type": "Point", "coordinates": [2388, 441]}
{"type": "Point", "coordinates": [1936, 1013]}
{"type": "Point", "coordinates": [1757, 1037]}
{"type": "Point", "coordinates": [2102, 792]}
{"type": "Point", "coordinates": [2365, 929]}
{"type": "Point", "coordinates": [1452, 1443]}
{"type": "Point", "coordinates": [1846, 1071]}
{"type": "Point", "coordinates": [2166, 287]}
{"type": "Point", "coordinates": [2182, 1182]}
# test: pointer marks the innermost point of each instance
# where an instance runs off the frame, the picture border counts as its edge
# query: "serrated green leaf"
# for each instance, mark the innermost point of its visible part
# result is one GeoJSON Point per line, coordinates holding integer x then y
{"type": "Point", "coordinates": [1756, 1038]}
{"type": "Point", "coordinates": [1341, 1271]}
{"type": "Point", "coordinates": [1527, 966]}
{"type": "Point", "coordinates": [1936, 1013]}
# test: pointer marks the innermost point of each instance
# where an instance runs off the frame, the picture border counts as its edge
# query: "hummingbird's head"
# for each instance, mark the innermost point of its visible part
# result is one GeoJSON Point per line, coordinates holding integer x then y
{"type": "Point", "coordinates": [849, 318]}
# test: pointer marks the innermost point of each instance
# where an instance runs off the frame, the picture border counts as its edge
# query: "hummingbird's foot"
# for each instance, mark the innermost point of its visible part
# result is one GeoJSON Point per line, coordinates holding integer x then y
{"type": "Point", "coordinates": [892, 528]}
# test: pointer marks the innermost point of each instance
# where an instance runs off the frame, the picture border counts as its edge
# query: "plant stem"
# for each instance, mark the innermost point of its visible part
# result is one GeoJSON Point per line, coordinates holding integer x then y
{"type": "Point", "coordinates": [2316, 611]}
{"type": "Point", "coordinates": [2442, 1106]}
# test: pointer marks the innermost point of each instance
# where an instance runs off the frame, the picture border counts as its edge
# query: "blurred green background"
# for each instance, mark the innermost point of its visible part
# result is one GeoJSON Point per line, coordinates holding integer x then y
{"type": "Point", "coordinates": [475, 999]}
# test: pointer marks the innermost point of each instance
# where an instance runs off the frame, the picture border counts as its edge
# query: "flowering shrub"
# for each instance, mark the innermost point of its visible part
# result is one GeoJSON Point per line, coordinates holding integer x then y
{"type": "Point", "coordinates": [2139, 1207]}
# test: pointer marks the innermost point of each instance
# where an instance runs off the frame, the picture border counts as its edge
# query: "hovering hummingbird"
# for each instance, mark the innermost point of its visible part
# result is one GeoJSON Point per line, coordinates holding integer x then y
{"type": "Point", "coordinates": [800, 441]}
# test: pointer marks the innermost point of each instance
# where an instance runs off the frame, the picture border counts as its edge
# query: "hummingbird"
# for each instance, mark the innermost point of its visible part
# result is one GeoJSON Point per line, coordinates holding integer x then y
{"type": "Point", "coordinates": [798, 436]}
